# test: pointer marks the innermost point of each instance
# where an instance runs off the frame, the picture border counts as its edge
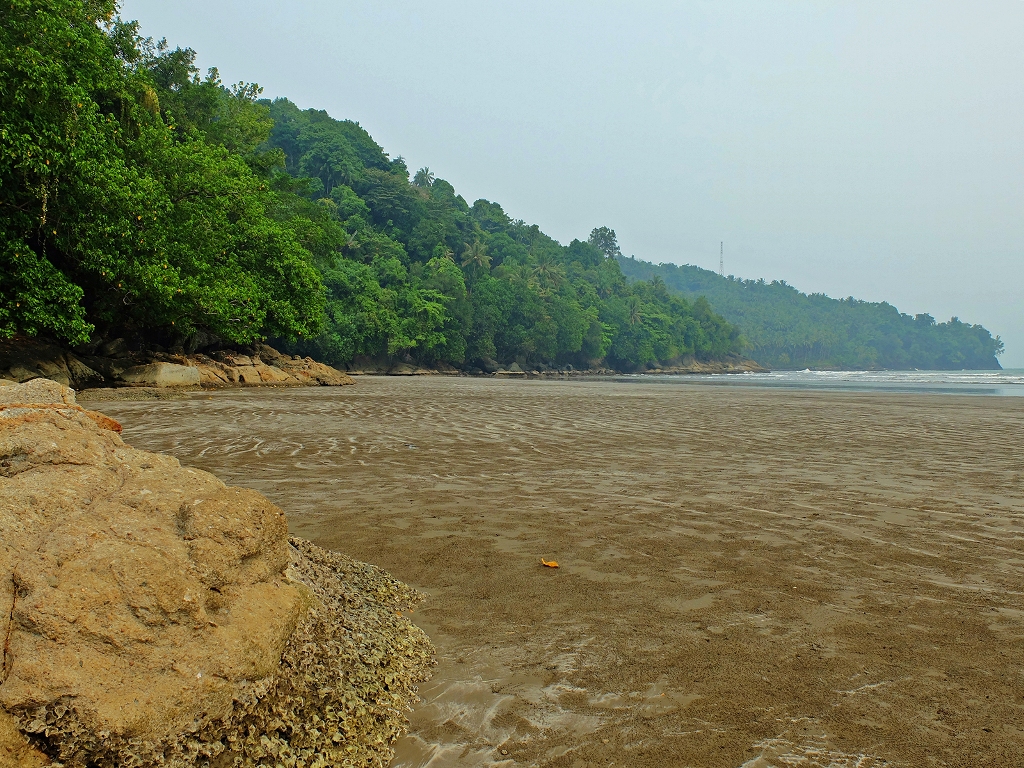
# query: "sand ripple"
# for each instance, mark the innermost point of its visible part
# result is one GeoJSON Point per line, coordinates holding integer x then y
{"type": "Point", "coordinates": [749, 578]}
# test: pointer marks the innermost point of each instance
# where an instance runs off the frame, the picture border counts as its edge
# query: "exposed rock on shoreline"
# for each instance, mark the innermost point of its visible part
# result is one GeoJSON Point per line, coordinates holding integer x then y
{"type": "Point", "coordinates": [152, 615]}
{"type": "Point", "coordinates": [265, 366]}
{"type": "Point", "coordinates": [112, 365]}
{"type": "Point", "coordinates": [513, 370]}
{"type": "Point", "coordinates": [729, 365]}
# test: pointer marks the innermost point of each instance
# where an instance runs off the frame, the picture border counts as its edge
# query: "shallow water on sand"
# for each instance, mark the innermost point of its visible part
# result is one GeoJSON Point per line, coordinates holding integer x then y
{"type": "Point", "coordinates": [749, 577]}
{"type": "Point", "coordinates": [1004, 383]}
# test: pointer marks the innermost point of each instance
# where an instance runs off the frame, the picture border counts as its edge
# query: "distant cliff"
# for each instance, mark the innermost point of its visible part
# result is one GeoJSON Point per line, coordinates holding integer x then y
{"type": "Point", "coordinates": [785, 328]}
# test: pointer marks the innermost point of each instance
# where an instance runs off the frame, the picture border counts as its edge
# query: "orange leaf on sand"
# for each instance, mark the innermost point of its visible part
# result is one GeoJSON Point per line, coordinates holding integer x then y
{"type": "Point", "coordinates": [548, 563]}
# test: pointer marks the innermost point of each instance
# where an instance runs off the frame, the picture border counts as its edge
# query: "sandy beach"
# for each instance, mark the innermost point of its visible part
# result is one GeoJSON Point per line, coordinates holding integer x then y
{"type": "Point", "coordinates": [747, 577]}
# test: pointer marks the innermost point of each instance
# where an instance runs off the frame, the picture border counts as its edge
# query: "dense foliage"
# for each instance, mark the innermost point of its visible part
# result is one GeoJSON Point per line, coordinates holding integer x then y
{"type": "Point", "coordinates": [413, 270]}
{"type": "Point", "coordinates": [139, 199]}
{"type": "Point", "coordinates": [789, 329]}
{"type": "Point", "coordinates": [115, 216]}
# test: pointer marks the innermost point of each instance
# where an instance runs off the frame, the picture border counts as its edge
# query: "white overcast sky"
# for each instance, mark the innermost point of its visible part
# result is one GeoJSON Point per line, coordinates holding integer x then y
{"type": "Point", "coordinates": [873, 149]}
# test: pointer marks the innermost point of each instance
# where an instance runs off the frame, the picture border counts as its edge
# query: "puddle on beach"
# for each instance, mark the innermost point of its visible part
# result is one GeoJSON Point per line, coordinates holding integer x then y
{"type": "Point", "coordinates": [748, 577]}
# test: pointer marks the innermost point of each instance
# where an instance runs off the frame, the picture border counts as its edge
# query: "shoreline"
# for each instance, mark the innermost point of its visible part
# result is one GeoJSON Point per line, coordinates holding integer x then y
{"type": "Point", "coordinates": [708, 369]}
{"type": "Point", "coordinates": [112, 365]}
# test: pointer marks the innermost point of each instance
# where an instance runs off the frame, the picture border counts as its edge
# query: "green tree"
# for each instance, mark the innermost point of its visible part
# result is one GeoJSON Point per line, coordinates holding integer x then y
{"type": "Point", "coordinates": [113, 218]}
{"type": "Point", "coordinates": [423, 178]}
{"type": "Point", "coordinates": [141, 198]}
{"type": "Point", "coordinates": [475, 257]}
{"type": "Point", "coordinates": [605, 241]}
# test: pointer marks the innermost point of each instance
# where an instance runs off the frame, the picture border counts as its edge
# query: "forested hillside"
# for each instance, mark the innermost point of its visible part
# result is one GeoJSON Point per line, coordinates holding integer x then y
{"type": "Point", "coordinates": [139, 199]}
{"type": "Point", "coordinates": [789, 329]}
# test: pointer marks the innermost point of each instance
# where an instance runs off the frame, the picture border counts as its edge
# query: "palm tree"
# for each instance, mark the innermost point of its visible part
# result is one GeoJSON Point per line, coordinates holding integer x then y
{"type": "Point", "coordinates": [549, 273]}
{"type": "Point", "coordinates": [423, 178]}
{"type": "Point", "coordinates": [633, 308]}
{"type": "Point", "coordinates": [475, 256]}
{"type": "Point", "coordinates": [474, 261]}
{"type": "Point", "coordinates": [658, 287]}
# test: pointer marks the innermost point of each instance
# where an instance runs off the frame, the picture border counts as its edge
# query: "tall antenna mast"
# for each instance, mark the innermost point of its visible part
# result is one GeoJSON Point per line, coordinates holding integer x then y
{"type": "Point", "coordinates": [721, 259]}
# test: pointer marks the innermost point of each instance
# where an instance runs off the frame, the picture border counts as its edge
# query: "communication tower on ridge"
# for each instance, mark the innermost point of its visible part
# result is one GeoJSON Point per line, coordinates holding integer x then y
{"type": "Point", "coordinates": [721, 259]}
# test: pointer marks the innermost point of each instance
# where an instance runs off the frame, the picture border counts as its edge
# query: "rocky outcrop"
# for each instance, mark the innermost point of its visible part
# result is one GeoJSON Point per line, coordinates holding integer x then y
{"type": "Point", "coordinates": [405, 366]}
{"type": "Point", "coordinates": [151, 615]}
{"type": "Point", "coordinates": [513, 371]}
{"type": "Point", "coordinates": [265, 366]}
{"type": "Point", "coordinates": [26, 359]}
{"type": "Point", "coordinates": [112, 364]}
{"type": "Point", "coordinates": [727, 365]}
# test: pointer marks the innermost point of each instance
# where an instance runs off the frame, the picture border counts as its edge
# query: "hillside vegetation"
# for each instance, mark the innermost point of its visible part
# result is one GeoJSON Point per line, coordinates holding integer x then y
{"type": "Point", "coordinates": [139, 199]}
{"type": "Point", "coordinates": [785, 328]}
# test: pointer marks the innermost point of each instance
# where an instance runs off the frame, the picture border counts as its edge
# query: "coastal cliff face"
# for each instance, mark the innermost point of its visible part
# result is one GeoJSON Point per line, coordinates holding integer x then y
{"type": "Point", "coordinates": [150, 614]}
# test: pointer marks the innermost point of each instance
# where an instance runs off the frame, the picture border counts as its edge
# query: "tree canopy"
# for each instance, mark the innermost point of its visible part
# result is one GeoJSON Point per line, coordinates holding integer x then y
{"type": "Point", "coordinates": [141, 199]}
{"type": "Point", "coordinates": [789, 329]}
{"type": "Point", "coordinates": [412, 270]}
{"type": "Point", "coordinates": [128, 198]}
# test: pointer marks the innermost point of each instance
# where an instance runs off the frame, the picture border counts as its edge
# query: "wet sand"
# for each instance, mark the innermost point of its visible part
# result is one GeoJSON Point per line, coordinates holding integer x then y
{"type": "Point", "coordinates": [748, 577]}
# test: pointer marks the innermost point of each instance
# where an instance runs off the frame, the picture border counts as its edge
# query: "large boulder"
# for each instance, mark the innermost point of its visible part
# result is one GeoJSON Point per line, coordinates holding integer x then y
{"type": "Point", "coordinates": [24, 359]}
{"type": "Point", "coordinates": [152, 615]}
{"type": "Point", "coordinates": [162, 375]}
{"type": "Point", "coordinates": [514, 371]}
{"type": "Point", "coordinates": [38, 392]}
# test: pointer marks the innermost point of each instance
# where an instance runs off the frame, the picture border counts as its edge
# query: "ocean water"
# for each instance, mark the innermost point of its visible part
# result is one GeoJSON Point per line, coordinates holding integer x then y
{"type": "Point", "coordinates": [1004, 383]}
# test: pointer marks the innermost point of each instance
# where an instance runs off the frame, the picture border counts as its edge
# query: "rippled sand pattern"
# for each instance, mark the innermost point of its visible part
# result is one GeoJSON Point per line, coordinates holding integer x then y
{"type": "Point", "coordinates": [748, 577]}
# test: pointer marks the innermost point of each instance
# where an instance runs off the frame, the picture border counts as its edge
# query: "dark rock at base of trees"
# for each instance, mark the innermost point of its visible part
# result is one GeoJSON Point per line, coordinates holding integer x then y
{"type": "Point", "coordinates": [23, 359]}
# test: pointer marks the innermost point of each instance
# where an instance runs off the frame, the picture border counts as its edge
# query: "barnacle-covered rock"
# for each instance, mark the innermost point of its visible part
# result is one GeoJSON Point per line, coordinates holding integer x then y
{"type": "Point", "coordinates": [150, 615]}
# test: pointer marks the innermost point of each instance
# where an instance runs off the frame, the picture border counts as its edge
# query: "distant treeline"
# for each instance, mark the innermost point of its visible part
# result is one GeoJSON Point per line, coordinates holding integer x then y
{"type": "Point", "coordinates": [142, 200]}
{"type": "Point", "coordinates": [785, 328]}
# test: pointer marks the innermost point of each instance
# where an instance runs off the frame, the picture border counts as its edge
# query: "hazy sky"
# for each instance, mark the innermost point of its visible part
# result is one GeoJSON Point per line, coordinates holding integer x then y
{"type": "Point", "coordinates": [873, 149]}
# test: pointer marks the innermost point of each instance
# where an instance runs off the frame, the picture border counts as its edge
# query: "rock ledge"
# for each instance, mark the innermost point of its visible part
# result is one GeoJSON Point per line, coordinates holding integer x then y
{"type": "Point", "coordinates": [113, 365]}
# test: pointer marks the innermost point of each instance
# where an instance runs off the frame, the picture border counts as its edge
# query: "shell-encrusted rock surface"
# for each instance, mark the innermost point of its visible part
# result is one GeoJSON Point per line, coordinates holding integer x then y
{"type": "Point", "coordinates": [151, 615]}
